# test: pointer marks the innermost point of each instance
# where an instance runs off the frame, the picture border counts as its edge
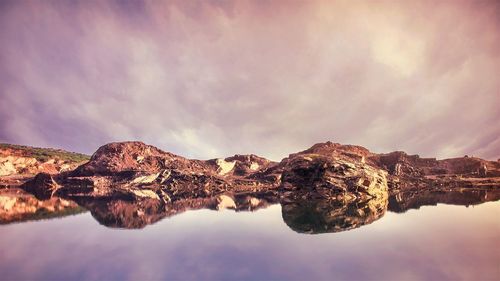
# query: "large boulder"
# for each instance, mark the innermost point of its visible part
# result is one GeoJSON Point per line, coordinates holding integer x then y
{"type": "Point", "coordinates": [120, 157]}
{"type": "Point", "coordinates": [327, 176]}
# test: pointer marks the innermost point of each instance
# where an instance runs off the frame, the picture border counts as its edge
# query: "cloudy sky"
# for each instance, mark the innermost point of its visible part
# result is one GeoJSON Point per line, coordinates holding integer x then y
{"type": "Point", "coordinates": [207, 79]}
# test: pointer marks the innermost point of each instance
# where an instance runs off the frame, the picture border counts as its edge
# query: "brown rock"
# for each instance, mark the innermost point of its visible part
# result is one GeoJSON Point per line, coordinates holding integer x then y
{"type": "Point", "coordinates": [326, 170]}
{"type": "Point", "coordinates": [43, 186]}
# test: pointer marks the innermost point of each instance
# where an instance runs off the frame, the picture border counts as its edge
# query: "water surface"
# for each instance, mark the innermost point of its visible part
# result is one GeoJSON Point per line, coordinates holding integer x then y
{"type": "Point", "coordinates": [295, 240]}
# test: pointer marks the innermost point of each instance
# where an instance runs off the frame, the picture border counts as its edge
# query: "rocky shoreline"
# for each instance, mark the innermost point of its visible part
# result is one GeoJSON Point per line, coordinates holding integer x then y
{"type": "Point", "coordinates": [327, 170]}
{"type": "Point", "coordinates": [131, 184]}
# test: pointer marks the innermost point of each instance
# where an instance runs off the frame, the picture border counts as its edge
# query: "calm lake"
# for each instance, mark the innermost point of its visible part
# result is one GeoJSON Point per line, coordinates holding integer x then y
{"type": "Point", "coordinates": [308, 242]}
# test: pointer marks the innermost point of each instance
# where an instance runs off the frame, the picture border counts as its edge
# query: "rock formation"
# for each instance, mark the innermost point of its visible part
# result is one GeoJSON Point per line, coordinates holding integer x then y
{"type": "Point", "coordinates": [326, 170]}
{"type": "Point", "coordinates": [333, 171]}
{"type": "Point", "coordinates": [18, 163]}
{"type": "Point", "coordinates": [143, 184]}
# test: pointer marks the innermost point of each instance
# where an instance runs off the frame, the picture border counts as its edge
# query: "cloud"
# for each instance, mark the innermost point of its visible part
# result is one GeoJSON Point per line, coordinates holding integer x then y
{"type": "Point", "coordinates": [213, 78]}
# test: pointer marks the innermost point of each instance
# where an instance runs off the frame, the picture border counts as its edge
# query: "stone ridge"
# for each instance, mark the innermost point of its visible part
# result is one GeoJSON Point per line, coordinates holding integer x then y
{"type": "Point", "coordinates": [132, 184]}
{"type": "Point", "coordinates": [134, 170]}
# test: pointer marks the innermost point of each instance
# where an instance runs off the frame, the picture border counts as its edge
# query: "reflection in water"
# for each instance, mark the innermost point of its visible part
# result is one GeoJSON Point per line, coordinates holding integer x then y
{"type": "Point", "coordinates": [125, 214]}
{"type": "Point", "coordinates": [138, 214]}
{"type": "Point", "coordinates": [19, 206]}
{"type": "Point", "coordinates": [403, 201]}
{"type": "Point", "coordinates": [302, 216]}
{"type": "Point", "coordinates": [322, 216]}
{"type": "Point", "coordinates": [206, 245]}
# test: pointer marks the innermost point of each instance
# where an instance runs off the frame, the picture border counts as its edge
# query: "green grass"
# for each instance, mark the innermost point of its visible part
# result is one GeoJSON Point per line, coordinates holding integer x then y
{"type": "Point", "coordinates": [44, 154]}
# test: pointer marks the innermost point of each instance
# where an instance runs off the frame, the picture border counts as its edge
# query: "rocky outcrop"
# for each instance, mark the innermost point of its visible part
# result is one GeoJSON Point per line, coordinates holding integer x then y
{"type": "Point", "coordinates": [136, 172]}
{"type": "Point", "coordinates": [20, 163]}
{"type": "Point", "coordinates": [124, 158]}
{"type": "Point", "coordinates": [327, 188]}
{"type": "Point", "coordinates": [135, 168]}
{"type": "Point", "coordinates": [328, 176]}
{"type": "Point", "coordinates": [411, 171]}
{"type": "Point", "coordinates": [245, 165]}
{"type": "Point", "coordinates": [15, 165]}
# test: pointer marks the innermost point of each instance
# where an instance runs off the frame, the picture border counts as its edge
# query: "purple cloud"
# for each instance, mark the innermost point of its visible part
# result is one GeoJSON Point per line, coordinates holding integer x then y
{"type": "Point", "coordinates": [213, 78]}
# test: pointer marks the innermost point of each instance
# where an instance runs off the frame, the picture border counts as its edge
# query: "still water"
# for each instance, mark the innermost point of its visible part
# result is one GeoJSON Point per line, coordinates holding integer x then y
{"type": "Point", "coordinates": [300, 241]}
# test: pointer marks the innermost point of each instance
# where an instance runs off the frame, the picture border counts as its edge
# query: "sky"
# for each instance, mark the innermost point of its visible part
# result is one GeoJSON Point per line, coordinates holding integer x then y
{"type": "Point", "coordinates": [208, 79]}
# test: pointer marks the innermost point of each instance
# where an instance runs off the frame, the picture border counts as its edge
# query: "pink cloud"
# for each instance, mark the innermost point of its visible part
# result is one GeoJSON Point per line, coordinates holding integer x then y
{"type": "Point", "coordinates": [207, 79]}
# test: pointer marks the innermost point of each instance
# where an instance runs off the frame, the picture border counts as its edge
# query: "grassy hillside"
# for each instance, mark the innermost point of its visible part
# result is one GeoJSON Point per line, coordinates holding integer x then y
{"type": "Point", "coordinates": [43, 154]}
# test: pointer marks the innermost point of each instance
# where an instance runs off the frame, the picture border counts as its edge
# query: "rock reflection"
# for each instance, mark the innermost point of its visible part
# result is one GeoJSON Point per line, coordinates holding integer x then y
{"type": "Point", "coordinates": [17, 205]}
{"type": "Point", "coordinates": [310, 216]}
{"type": "Point", "coordinates": [305, 216]}
{"type": "Point", "coordinates": [324, 216]}
{"type": "Point", "coordinates": [404, 201]}
{"type": "Point", "coordinates": [119, 213]}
